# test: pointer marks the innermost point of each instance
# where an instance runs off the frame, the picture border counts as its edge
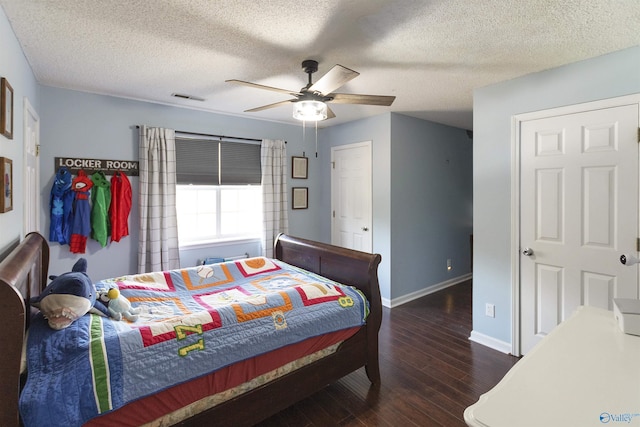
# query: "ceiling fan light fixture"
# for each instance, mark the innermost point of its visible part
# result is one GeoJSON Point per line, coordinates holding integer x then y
{"type": "Point", "coordinates": [310, 111]}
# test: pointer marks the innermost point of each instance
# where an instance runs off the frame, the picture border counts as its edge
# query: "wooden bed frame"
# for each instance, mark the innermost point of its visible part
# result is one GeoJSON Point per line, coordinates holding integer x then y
{"type": "Point", "coordinates": [23, 274]}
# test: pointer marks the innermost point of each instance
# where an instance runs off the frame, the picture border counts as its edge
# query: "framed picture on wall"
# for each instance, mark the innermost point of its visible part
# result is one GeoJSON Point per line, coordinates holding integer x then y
{"type": "Point", "coordinates": [6, 109]}
{"type": "Point", "coordinates": [300, 197]}
{"type": "Point", "coordinates": [299, 167]}
{"type": "Point", "coordinates": [6, 184]}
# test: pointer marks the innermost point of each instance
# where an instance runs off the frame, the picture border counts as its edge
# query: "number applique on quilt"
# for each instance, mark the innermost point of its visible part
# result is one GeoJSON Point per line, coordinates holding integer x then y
{"type": "Point", "coordinates": [183, 351]}
{"type": "Point", "coordinates": [183, 330]}
{"type": "Point", "coordinates": [181, 333]}
{"type": "Point", "coordinates": [345, 301]}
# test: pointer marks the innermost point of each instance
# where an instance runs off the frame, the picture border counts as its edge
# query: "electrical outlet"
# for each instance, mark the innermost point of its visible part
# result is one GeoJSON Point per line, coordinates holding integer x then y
{"type": "Point", "coordinates": [449, 264]}
{"type": "Point", "coordinates": [490, 310]}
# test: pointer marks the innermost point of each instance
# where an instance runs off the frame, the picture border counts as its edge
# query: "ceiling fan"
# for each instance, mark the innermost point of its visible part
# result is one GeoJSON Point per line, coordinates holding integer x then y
{"type": "Point", "coordinates": [310, 103]}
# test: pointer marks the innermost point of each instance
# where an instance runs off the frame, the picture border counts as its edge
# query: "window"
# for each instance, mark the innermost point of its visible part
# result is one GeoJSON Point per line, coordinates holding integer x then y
{"type": "Point", "coordinates": [218, 190]}
{"type": "Point", "coordinates": [211, 212]}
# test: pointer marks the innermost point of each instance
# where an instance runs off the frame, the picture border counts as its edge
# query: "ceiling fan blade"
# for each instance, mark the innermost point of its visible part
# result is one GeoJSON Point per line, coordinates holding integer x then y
{"type": "Point", "coordinates": [330, 113]}
{"type": "Point", "coordinates": [257, 86]}
{"type": "Point", "coordinates": [354, 98]}
{"type": "Point", "coordinates": [335, 77]}
{"type": "Point", "coordinates": [275, 104]}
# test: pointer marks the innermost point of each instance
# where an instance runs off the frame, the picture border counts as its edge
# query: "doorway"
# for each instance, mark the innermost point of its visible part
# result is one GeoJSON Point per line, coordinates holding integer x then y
{"type": "Point", "coordinates": [31, 169]}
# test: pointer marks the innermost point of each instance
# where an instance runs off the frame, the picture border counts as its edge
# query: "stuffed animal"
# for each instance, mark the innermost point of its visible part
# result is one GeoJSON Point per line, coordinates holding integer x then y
{"type": "Point", "coordinates": [119, 306]}
{"type": "Point", "coordinates": [69, 297]}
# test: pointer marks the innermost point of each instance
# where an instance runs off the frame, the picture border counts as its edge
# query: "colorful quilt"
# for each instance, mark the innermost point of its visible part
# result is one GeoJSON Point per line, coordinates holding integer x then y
{"type": "Point", "coordinates": [191, 322]}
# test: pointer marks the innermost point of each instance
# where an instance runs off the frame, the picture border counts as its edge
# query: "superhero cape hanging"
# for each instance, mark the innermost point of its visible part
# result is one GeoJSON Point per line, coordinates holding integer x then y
{"type": "Point", "coordinates": [100, 201]}
{"type": "Point", "coordinates": [61, 207]}
{"type": "Point", "coordinates": [120, 206]}
{"type": "Point", "coordinates": [81, 229]}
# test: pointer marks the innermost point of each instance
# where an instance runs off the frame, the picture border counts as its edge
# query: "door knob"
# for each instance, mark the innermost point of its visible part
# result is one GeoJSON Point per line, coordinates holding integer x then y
{"type": "Point", "coordinates": [627, 259]}
{"type": "Point", "coordinates": [365, 228]}
{"type": "Point", "coordinates": [527, 252]}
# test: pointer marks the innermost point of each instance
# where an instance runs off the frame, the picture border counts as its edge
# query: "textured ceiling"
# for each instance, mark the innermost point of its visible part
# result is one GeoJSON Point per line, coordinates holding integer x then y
{"type": "Point", "coordinates": [429, 54]}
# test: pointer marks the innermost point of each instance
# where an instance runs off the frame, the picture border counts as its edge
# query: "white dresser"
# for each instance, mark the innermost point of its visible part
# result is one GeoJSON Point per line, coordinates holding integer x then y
{"type": "Point", "coordinates": [586, 372]}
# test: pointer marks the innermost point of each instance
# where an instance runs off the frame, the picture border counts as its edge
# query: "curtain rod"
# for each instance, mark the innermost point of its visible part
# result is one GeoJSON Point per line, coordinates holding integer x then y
{"type": "Point", "coordinates": [215, 136]}
{"type": "Point", "coordinates": [218, 136]}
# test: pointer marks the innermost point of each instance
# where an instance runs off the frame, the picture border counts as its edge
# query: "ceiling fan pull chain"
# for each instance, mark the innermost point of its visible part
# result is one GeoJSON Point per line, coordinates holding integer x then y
{"type": "Point", "coordinates": [316, 140]}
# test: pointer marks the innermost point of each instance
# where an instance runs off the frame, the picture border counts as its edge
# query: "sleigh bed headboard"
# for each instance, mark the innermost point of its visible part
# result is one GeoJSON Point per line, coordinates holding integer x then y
{"type": "Point", "coordinates": [23, 274]}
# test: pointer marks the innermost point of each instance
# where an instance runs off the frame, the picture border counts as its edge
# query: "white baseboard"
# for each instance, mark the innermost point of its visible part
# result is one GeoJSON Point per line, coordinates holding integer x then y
{"type": "Point", "coordinates": [426, 291]}
{"type": "Point", "coordinates": [486, 340]}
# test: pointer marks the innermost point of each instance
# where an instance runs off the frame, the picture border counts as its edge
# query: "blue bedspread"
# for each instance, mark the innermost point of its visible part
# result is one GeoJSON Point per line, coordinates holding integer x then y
{"type": "Point", "coordinates": [192, 321]}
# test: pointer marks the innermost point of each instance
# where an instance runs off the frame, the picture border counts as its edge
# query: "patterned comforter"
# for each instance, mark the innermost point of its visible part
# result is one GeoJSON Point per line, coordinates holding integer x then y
{"type": "Point", "coordinates": [191, 322]}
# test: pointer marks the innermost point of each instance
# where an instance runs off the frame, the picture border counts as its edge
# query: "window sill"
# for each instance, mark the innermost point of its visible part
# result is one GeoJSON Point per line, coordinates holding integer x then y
{"type": "Point", "coordinates": [218, 242]}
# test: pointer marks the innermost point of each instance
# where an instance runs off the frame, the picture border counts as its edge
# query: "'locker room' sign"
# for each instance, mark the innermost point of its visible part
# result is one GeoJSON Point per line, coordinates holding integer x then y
{"type": "Point", "coordinates": [73, 164]}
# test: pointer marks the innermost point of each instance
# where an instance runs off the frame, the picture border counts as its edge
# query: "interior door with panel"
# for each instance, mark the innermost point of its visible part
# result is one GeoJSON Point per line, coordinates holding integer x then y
{"type": "Point", "coordinates": [351, 196]}
{"type": "Point", "coordinates": [578, 214]}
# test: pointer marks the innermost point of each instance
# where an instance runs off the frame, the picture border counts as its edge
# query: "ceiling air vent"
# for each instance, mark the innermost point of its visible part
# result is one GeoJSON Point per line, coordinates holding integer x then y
{"type": "Point", "coordinates": [183, 96]}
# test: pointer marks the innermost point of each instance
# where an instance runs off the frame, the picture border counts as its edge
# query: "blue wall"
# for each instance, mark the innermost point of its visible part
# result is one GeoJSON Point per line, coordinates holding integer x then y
{"type": "Point", "coordinates": [431, 204]}
{"type": "Point", "coordinates": [421, 188]}
{"type": "Point", "coordinates": [607, 76]}
{"type": "Point", "coordinates": [78, 124]}
{"type": "Point", "coordinates": [422, 198]}
{"type": "Point", "coordinates": [15, 68]}
{"type": "Point", "coordinates": [377, 130]}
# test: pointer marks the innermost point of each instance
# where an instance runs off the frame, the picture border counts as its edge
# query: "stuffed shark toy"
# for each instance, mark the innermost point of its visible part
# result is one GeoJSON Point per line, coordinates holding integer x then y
{"type": "Point", "coordinates": [69, 297]}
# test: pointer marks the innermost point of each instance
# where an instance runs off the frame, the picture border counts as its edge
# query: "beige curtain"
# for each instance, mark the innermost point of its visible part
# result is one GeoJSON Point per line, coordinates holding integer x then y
{"type": "Point", "coordinates": [273, 155]}
{"type": "Point", "coordinates": [158, 245]}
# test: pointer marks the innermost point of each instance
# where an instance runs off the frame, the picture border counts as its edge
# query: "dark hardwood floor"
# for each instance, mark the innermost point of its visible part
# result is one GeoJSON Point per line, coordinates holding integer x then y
{"type": "Point", "coordinates": [430, 371]}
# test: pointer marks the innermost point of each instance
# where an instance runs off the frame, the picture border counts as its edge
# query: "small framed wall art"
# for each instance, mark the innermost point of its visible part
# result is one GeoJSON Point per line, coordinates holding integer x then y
{"type": "Point", "coordinates": [300, 198]}
{"type": "Point", "coordinates": [299, 167]}
{"type": "Point", "coordinates": [6, 109]}
{"type": "Point", "coordinates": [6, 184]}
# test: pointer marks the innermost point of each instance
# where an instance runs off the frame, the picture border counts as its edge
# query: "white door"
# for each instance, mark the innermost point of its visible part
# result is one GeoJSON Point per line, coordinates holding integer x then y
{"type": "Point", "coordinates": [31, 169]}
{"type": "Point", "coordinates": [351, 196]}
{"type": "Point", "coordinates": [578, 213]}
